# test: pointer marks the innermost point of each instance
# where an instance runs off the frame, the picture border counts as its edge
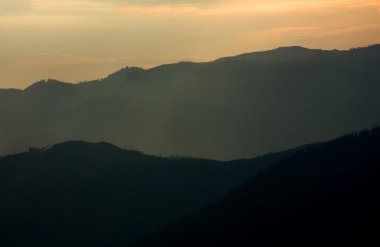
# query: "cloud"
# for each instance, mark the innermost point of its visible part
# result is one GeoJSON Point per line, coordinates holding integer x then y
{"type": "Point", "coordinates": [347, 30]}
{"type": "Point", "coordinates": [183, 8]}
{"type": "Point", "coordinates": [243, 8]}
{"type": "Point", "coordinates": [11, 7]}
{"type": "Point", "coordinates": [65, 6]}
{"type": "Point", "coordinates": [314, 31]}
{"type": "Point", "coordinates": [163, 2]}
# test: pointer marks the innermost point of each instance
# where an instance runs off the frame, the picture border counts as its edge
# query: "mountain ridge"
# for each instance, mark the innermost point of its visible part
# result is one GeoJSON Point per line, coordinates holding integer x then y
{"type": "Point", "coordinates": [102, 195]}
{"type": "Point", "coordinates": [274, 54]}
{"type": "Point", "coordinates": [238, 108]}
{"type": "Point", "coordinates": [322, 195]}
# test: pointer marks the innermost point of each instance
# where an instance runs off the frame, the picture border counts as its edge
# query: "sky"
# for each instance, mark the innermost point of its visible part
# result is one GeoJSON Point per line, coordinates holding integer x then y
{"type": "Point", "coordinates": [78, 40]}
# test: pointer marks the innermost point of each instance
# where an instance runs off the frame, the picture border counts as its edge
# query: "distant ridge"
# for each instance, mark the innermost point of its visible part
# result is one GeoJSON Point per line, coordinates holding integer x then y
{"type": "Point", "coordinates": [281, 54]}
{"type": "Point", "coordinates": [284, 54]}
{"type": "Point", "coordinates": [49, 83]}
{"type": "Point", "coordinates": [237, 107]}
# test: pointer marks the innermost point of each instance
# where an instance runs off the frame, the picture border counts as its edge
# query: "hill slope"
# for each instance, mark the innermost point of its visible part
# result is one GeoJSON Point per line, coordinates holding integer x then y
{"type": "Point", "coordinates": [230, 108]}
{"type": "Point", "coordinates": [326, 195]}
{"type": "Point", "coordinates": [95, 194]}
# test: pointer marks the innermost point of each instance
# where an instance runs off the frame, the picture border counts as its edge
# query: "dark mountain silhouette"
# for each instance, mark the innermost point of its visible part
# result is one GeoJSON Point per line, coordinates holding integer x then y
{"type": "Point", "coordinates": [47, 85]}
{"type": "Point", "coordinates": [326, 195]}
{"type": "Point", "coordinates": [231, 108]}
{"type": "Point", "coordinates": [282, 54]}
{"type": "Point", "coordinates": [96, 194]}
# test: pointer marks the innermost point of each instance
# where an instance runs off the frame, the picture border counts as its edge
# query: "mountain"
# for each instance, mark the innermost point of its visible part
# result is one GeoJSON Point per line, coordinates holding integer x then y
{"type": "Point", "coordinates": [282, 54]}
{"type": "Point", "coordinates": [236, 107]}
{"type": "Point", "coordinates": [95, 194]}
{"type": "Point", "coordinates": [326, 195]}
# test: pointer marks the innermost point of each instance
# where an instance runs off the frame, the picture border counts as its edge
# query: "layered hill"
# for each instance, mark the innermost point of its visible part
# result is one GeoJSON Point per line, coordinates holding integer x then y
{"type": "Point", "coordinates": [323, 196]}
{"type": "Point", "coordinates": [96, 194]}
{"type": "Point", "coordinates": [231, 108]}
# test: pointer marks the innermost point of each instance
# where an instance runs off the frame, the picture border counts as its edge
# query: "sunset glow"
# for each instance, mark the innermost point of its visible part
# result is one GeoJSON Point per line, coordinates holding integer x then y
{"type": "Point", "coordinates": [77, 40]}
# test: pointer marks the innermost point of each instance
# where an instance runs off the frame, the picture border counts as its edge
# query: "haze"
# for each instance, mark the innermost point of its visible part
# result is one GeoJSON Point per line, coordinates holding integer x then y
{"type": "Point", "coordinates": [82, 40]}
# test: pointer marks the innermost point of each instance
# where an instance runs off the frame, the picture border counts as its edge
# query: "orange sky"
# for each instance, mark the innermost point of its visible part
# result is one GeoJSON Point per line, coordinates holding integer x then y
{"type": "Point", "coordinates": [88, 39]}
